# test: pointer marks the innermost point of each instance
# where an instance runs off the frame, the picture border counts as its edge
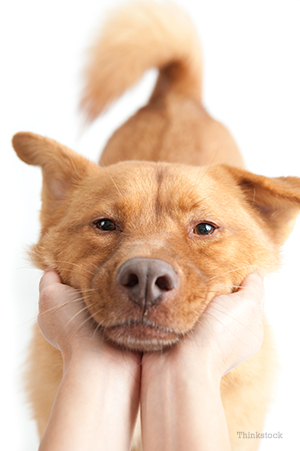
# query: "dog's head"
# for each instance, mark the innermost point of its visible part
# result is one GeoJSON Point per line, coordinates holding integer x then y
{"type": "Point", "coordinates": [150, 244]}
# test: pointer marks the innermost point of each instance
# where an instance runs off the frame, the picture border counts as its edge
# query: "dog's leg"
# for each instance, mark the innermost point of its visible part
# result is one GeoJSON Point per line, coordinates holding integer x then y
{"type": "Point", "coordinates": [43, 377]}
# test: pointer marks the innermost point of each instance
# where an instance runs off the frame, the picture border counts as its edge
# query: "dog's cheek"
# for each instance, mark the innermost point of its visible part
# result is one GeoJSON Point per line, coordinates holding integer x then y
{"type": "Point", "coordinates": [77, 255]}
{"type": "Point", "coordinates": [107, 304]}
{"type": "Point", "coordinates": [40, 257]}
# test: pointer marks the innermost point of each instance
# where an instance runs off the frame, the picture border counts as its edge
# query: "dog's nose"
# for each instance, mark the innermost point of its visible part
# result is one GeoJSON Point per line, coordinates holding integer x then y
{"type": "Point", "coordinates": [147, 280]}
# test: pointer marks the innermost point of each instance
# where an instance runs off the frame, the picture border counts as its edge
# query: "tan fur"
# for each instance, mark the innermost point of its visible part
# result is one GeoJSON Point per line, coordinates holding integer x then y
{"type": "Point", "coordinates": [131, 40]}
{"type": "Point", "coordinates": [182, 168]}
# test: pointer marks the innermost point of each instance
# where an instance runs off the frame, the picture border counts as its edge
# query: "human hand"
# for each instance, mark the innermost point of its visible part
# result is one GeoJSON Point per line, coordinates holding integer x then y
{"type": "Point", "coordinates": [66, 323]}
{"type": "Point", "coordinates": [228, 332]}
{"type": "Point", "coordinates": [231, 328]}
{"type": "Point", "coordinates": [100, 388]}
{"type": "Point", "coordinates": [184, 380]}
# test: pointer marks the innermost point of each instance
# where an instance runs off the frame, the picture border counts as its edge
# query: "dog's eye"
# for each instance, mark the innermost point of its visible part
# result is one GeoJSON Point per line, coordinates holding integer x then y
{"type": "Point", "coordinates": [106, 225]}
{"type": "Point", "coordinates": [204, 229]}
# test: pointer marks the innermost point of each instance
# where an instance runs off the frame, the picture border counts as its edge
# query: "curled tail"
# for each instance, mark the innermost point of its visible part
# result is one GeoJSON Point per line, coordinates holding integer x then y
{"type": "Point", "coordinates": [138, 36]}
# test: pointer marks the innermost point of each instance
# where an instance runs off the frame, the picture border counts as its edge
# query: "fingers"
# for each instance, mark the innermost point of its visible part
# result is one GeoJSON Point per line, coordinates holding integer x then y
{"type": "Point", "coordinates": [50, 277]}
{"type": "Point", "coordinates": [51, 291]}
{"type": "Point", "coordinates": [253, 282]}
{"type": "Point", "coordinates": [54, 294]}
{"type": "Point", "coordinates": [253, 288]}
{"type": "Point", "coordinates": [61, 310]}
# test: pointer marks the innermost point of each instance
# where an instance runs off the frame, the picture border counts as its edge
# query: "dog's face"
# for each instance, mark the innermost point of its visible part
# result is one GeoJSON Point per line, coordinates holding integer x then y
{"type": "Point", "coordinates": [150, 244]}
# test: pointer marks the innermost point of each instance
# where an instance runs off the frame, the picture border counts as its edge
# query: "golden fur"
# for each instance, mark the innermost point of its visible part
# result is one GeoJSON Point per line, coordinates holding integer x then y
{"type": "Point", "coordinates": [168, 168]}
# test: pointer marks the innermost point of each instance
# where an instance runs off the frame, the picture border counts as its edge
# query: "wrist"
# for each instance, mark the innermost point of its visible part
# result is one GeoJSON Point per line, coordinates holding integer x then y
{"type": "Point", "coordinates": [95, 397]}
{"type": "Point", "coordinates": [102, 355]}
{"type": "Point", "coordinates": [182, 364]}
{"type": "Point", "coordinates": [78, 359]}
{"type": "Point", "coordinates": [181, 393]}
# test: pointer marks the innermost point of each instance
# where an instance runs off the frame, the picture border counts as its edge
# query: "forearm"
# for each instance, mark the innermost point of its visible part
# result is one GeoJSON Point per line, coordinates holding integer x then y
{"type": "Point", "coordinates": [98, 402]}
{"type": "Point", "coordinates": [181, 412]}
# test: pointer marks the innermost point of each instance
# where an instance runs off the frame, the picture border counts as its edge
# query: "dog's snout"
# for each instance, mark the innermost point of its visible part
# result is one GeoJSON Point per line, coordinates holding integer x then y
{"type": "Point", "coordinates": [147, 280]}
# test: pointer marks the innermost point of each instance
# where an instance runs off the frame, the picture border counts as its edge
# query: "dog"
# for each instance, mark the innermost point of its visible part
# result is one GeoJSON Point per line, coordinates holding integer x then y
{"type": "Point", "coordinates": [169, 218]}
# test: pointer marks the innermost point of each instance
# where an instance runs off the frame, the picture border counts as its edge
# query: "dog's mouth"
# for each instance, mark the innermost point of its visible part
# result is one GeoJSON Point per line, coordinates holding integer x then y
{"type": "Point", "coordinates": [142, 335]}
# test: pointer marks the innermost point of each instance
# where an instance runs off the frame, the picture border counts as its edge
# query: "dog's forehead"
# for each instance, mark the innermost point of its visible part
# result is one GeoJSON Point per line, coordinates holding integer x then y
{"type": "Point", "coordinates": [175, 187]}
{"type": "Point", "coordinates": [150, 178]}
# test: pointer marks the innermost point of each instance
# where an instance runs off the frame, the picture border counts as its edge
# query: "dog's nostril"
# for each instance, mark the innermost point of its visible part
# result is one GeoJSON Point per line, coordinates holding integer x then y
{"type": "Point", "coordinates": [132, 281]}
{"type": "Point", "coordinates": [164, 283]}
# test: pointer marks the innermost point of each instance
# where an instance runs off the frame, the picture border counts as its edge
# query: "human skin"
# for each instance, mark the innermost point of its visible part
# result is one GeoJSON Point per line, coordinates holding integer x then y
{"type": "Point", "coordinates": [181, 406]}
{"type": "Point", "coordinates": [97, 401]}
{"type": "Point", "coordinates": [178, 389]}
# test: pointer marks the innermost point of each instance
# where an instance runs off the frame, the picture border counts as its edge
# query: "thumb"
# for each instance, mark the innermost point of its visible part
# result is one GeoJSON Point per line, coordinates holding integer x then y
{"type": "Point", "coordinates": [253, 288]}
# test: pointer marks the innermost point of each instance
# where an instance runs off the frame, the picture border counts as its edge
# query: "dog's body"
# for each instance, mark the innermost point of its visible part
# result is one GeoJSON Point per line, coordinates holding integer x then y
{"type": "Point", "coordinates": [167, 170]}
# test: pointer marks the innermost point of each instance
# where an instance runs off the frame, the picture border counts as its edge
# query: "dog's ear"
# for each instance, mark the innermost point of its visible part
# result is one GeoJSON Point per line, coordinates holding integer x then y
{"type": "Point", "coordinates": [276, 201]}
{"type": "Point", "coordinates": [62, 168]}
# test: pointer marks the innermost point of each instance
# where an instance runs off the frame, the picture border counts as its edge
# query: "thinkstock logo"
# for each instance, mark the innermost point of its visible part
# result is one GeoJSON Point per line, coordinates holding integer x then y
{"type": "Point", "coordinates": [259, 435]}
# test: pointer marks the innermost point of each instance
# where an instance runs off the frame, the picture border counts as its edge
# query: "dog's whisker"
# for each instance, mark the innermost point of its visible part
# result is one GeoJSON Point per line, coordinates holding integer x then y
{"type": "Point", "coordinates": [30, 320]}
{"type": "Point", "coordinates": [27, 266]}
{"type": "Point", "coordinates": [96, 329]}
{"type": "Point", "coordinates": [52, 309]}
{"type": "Point", "coordinates": [226, 327]}
{"type": "Point", "coordinates": [74, 264]}
{"type": "Point", "coordinates": [88, 290]}
{"type": "Point", "coordinates": [231, 271]}
{"type": "Point", "coordinates": [58, 307]}
{"type": "Point", "coordinates": [84, 309]}
{"type": "Point", "coordinates": [213, 307]}
{"type": "Point", "coordinates": [110, 176]}
{"type": "Point", "coordinates": [90, 317]}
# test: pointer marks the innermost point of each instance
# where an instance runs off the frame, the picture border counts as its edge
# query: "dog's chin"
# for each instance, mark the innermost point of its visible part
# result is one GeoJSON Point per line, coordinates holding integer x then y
{"type": "Point", "coordinates": [142, 336]}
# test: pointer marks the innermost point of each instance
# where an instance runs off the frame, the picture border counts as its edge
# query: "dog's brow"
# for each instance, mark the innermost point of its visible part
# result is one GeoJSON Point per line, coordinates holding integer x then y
{"type": "Point", "coordinates": [192, 205]}
{"type": "Point", "coordinates": [198, 205]}
{"type": "Point", "coordinates": [160, 173]}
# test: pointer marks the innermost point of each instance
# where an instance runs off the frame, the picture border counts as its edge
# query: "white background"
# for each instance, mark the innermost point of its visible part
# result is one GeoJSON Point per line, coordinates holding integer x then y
{"type": "Point", "coordinates": [251, 83]}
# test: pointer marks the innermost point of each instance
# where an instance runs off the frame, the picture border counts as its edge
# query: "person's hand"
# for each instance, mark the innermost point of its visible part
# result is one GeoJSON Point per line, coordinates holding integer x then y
{"type": "Point", "coordinates": [181, 405]}
{"type": "Point", "coordinates": [231, 328]}
{"type": "Point", "coordinates": [228, 332]}
{"type": "Point", "coordinates": [100, 388]}
{"type": "Point", "coordinates": [66, 323]}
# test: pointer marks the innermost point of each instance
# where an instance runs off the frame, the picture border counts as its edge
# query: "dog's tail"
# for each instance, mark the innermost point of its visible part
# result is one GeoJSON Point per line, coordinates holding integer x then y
{"type": "Point", "coordinates": [136, 37]}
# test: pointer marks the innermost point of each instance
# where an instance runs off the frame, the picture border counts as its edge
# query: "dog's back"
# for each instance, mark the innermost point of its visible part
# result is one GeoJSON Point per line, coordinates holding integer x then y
{"type": "Point", "coordinates": [174, 125]}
